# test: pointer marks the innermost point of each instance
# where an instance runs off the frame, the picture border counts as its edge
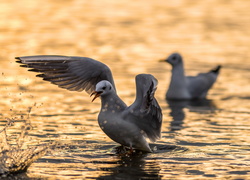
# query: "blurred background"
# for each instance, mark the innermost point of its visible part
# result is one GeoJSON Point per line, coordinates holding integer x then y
{"type": "Point", "coordinates": [130, 36]}
{"type": "Point", "coordinates": [126, 32]}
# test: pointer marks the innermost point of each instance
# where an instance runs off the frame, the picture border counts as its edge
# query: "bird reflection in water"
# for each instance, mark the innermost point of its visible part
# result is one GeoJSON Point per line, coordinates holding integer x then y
{"type": "Point", "coordinates": [196, 105]}
{"type": "Point", "coordinates": [133, 166]}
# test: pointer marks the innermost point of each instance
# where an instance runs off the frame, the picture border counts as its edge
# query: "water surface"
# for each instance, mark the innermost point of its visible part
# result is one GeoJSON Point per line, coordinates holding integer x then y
{"type": "Point", "coordinates": [200, 140]}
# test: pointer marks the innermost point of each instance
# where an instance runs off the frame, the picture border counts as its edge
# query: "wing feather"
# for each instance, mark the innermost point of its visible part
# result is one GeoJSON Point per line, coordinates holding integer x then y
{"type": "Point", "coordinates": [68, 72]}
{"type": "Point", "coordinates": [199, 85]}
{"type": "Point", "coordinates": [145, 110]}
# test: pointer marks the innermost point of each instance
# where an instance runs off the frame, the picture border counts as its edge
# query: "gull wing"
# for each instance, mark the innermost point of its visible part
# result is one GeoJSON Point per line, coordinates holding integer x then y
{"type": "Point", "coordinates": [69, 72]}
{"type": "Point", "coordinates": [199, 85]}
{"type": "Point", "coordinates": [145, 112]}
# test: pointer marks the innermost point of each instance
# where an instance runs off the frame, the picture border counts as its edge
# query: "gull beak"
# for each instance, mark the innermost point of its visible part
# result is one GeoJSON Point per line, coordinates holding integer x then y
{"type": "Point", "coordinates": [162, 60]}
{"type": "Point", "coordinates": [96, 93]}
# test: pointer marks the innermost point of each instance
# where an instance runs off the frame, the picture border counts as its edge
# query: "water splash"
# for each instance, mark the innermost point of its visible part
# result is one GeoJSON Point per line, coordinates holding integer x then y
{"type": "Point", "coordinates": [15, 155]}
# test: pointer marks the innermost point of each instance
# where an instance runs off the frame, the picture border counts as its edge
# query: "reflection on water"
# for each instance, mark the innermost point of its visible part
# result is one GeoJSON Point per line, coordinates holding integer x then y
{"type": "Point", "coordinates": [178, 114]}
{"type": "Point", "coordinates": [204, 141]}
{"type": "Point", "coordinates": [132, 167]}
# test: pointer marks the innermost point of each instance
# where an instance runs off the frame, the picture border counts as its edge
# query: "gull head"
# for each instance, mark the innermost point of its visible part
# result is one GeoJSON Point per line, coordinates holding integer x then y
{"type": "Point", "coordinates": [102, 88]}
{"type": "Point", "coordinates": [174, 59]}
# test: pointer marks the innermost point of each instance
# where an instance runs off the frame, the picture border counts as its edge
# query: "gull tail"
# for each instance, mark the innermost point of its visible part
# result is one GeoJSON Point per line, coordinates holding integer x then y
{"type": "Point", "coordinates": [216, 70]}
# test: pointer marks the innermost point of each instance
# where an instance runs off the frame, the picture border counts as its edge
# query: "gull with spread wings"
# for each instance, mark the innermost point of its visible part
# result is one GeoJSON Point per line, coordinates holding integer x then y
{"type": "Point", "coordinates": [130, 126]}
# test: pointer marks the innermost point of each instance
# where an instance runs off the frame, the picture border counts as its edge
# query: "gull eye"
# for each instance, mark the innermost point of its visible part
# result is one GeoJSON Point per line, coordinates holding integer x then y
{"type": "Point", "coordinates": [174, 58]}
{"type": "Point", "coordinates": [103, 88]}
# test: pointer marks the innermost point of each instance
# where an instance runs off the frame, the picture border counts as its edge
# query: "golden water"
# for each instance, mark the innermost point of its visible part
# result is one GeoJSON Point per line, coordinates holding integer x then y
{"type": "Point", "coordinates": [210, 139]}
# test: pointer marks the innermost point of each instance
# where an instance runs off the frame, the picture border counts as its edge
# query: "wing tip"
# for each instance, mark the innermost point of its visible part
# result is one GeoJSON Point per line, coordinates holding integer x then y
{"type": "Point", "coordinates": [41, 76]}
{"type": "Point", "coordinates": [216, 69]}
{"type": "Point", "coordinates": [24, 65]}
{"type": "Point", "coordinates": [18, 60]}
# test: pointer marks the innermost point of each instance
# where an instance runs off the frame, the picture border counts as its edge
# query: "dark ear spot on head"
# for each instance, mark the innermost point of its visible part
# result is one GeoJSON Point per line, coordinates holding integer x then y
{"type": "Point", "coordinates": [109, 87]}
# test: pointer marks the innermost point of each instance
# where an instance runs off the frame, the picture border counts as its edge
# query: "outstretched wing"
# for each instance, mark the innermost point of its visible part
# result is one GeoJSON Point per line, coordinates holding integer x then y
{"type": "Point", "coordinates": [146, 111]}
{"type": "Point", "coordinates": [69, 72]}
{"type": "Point", "coordinates": [199, 85]}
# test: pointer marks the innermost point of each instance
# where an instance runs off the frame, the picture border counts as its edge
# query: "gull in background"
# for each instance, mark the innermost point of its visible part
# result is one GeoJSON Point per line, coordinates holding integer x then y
{"type": "Point", "coordinates": [188, 87]}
